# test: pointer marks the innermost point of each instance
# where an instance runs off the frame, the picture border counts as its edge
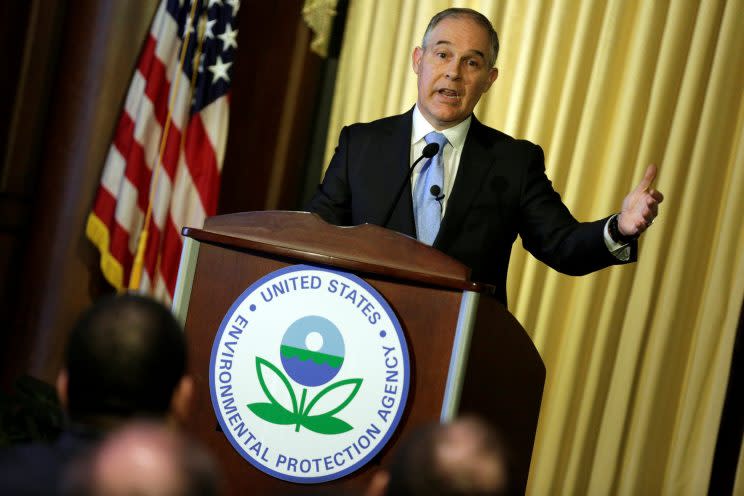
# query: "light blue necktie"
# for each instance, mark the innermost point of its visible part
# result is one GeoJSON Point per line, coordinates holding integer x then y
{"type": "Point", "coordinates": [426, 208]}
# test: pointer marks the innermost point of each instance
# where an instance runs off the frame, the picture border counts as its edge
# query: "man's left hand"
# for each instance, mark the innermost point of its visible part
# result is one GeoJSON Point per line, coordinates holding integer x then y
{"type": "Point", "coordinates": [641, 206]}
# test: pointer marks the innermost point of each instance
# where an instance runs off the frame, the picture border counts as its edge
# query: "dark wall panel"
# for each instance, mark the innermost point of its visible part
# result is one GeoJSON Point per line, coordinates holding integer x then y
{"type": "Point", "coordinates": [275, 81]}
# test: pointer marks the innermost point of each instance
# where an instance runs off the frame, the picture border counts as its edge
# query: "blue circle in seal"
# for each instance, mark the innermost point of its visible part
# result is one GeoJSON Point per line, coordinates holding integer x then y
{"type": "Point", "coordinates": [312, 367]}
{"type": "Point", "coordinates": [404, 393]}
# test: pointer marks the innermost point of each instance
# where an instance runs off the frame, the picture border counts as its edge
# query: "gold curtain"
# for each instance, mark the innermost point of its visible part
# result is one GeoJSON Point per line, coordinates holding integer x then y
{"type": "Point", "coordinates": [637, 356]}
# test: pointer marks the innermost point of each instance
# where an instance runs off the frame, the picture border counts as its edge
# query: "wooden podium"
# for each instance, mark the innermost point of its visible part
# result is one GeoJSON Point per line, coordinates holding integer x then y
{"type": "Point", "coordinates": [467, 353]}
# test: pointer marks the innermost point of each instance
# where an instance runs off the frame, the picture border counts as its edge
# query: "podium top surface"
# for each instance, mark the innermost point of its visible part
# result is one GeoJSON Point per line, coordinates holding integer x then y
{"type": "Point", "coordinates": [307, 238]}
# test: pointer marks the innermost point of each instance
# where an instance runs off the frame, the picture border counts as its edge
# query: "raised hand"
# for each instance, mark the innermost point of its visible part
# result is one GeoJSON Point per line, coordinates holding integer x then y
{"type": "Point", "coordinates": [641, 206]}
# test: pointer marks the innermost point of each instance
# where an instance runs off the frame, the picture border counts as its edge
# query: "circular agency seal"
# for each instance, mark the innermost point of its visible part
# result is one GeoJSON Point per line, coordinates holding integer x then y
{"type": "Point", "coordinates": [309, 374]}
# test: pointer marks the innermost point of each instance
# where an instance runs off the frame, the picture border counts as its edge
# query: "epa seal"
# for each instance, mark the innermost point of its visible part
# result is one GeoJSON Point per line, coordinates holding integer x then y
{"type": "Point", "coordinates": [309, 374]}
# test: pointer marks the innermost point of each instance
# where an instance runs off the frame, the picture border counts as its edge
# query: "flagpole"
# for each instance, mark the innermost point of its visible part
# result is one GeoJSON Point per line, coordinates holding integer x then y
{"type": "Point", "coordinates": [135, 277]}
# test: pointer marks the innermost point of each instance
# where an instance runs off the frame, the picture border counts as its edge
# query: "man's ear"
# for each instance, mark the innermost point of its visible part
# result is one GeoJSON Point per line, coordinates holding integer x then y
{"type": "Point", "coordinates": [180, 406]}
{"type": "Point", "coordinates": [61, 385]}
{"type": "Point", "coordinates": [493, 74]}
{"type": "Point", "coordinates": [418, 52]}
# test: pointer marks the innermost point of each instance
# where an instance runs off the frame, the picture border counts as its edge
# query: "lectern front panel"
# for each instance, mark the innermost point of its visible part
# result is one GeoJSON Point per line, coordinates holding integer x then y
{"type": "Point", "coordinates": [428, 317]}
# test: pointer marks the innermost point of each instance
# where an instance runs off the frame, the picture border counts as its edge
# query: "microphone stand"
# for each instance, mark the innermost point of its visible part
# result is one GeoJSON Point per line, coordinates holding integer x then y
{"type": "Point", "coordinates": [428, 152]}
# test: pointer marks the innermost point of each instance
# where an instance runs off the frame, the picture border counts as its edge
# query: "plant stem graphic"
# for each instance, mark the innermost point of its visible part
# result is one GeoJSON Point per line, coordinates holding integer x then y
{"type": "Point", "coordinates": [302, 405]}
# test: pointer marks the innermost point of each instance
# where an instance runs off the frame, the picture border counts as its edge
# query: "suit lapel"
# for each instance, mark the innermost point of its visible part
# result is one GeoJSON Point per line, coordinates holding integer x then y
{"type": "Point", "coordinates": [475, 163]}
{"type": "Point", "coordinates": [398, 156]}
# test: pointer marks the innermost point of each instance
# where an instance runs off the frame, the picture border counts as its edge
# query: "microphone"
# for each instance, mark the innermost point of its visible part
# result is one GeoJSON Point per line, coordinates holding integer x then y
{"type": "Point", "coordinates": [429, 151]}
{"type": "Point", "coordinates": [436, 192]}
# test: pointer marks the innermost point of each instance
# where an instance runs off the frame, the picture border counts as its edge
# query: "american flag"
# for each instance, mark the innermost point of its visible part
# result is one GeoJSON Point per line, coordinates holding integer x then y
{"type": "Point", "coordinates": [169, 145]}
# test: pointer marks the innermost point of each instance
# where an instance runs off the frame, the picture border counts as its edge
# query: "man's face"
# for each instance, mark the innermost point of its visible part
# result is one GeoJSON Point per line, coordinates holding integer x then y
{"type": "Point", "coordinates": [453, 71]}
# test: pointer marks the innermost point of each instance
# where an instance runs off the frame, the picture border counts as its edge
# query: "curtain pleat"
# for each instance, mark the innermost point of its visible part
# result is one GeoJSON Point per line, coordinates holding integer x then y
{"type": "Point", "coordinates": [637, 356]}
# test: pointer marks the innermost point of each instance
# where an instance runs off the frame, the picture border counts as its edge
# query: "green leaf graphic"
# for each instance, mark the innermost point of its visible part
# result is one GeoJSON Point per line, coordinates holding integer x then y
{"type": "Point", "coordinates": [273, 412]}
{"type": "Point", "coordinates": [325, 424]}
{"type": "Point", "coordinates": [259, 371]}
{"type": "Point", "coordinates": [357, 384]}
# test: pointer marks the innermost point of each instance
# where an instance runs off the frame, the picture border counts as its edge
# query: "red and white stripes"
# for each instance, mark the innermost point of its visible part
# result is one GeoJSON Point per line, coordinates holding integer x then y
{"type": "Point", "coordinates": [186, 187]}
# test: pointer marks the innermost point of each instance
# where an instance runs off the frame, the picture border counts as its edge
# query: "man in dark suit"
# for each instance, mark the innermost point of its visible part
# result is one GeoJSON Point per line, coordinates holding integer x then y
{"type": "Point", "coordinates": [491, 187]}
{"type": "Point", "coordinates": [125, 358]}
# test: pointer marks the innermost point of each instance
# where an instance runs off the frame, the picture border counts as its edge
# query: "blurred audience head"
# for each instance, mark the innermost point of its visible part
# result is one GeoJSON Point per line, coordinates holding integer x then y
{"type": "Point", "coordinates": [144, 459]}
{"type": "Point", "coordinates": [464, 457]}
{"type": "Point", "coordinates": [125, 357]}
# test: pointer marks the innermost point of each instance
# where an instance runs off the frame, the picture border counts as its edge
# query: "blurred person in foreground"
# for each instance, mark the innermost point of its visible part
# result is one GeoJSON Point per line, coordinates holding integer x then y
{"type": "Point", "coordinates": [144, 458]}
{"type": "Point", "coordinates": [464, 457]}
{"type": "Point", "coordinates": [125, 358]}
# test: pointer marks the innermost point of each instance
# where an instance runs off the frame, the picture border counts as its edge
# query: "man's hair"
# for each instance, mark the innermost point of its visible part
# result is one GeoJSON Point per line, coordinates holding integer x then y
{"type": "Point", "coordinates": [125, 356]}
{"type": "Point", "coordinates": [435, 459]}
{"type": "Point", "coordinates": [474, 15]}
{"type": "Point", "coordinates": [144, 458]}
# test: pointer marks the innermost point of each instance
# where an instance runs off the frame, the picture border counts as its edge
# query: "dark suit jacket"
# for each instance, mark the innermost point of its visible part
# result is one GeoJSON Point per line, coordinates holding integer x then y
{"type": "Point", "coordinates": [39, 468]}
{"type": "Point", "coordinates": [500, 191]}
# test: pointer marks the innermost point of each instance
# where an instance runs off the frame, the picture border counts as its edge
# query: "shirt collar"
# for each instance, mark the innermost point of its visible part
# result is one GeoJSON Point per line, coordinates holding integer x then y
{"type": "Point", "coordinates": [455, 135]}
